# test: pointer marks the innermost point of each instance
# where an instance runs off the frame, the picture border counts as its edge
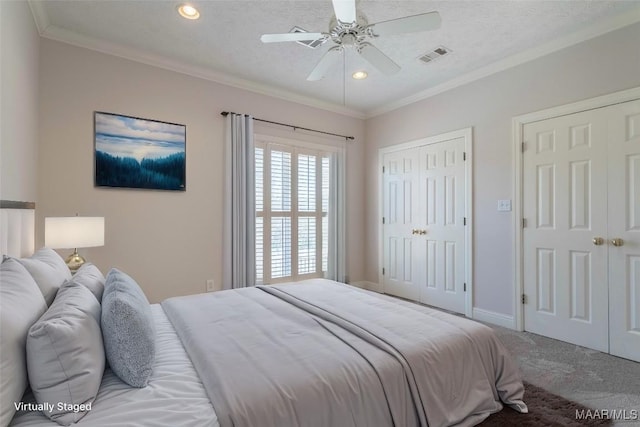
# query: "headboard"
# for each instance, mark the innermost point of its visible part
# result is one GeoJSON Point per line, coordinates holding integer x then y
{"type": "Point", "coordinates": [17, 228]}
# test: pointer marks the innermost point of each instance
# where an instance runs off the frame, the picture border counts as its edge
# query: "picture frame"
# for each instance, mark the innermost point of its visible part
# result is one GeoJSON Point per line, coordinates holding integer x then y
{"type": "Point", "coordinates": [132, 152]}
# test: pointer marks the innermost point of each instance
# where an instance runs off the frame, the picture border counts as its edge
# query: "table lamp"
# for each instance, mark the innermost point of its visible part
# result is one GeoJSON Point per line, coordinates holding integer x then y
{"type": "Point", "coordinates": [73, 232]}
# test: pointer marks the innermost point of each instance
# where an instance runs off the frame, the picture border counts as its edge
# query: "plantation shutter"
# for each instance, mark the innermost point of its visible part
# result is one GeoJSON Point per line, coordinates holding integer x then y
{"type": "Point", "coordinates": [292, 194]}
{"type": "Point", "coordinates": [307, 206]}
{"type": "Point", "coordinates": [259, 214]}
{"type": "Point", "coordinates": [281, 214]}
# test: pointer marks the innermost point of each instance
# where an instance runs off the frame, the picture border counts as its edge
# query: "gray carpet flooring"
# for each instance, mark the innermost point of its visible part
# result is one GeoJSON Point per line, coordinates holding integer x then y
{"type": "Point", "coordinates": [597, 380]}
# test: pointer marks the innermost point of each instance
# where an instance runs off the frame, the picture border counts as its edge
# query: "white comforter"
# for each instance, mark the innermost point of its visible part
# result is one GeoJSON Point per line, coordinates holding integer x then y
{"type": "Point", "coordinates": [324, 354]}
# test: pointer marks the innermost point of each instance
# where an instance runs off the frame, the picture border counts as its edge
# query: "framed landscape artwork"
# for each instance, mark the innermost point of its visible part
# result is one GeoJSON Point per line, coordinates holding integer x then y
{"type": "Point", "coordinates": [132, 152]}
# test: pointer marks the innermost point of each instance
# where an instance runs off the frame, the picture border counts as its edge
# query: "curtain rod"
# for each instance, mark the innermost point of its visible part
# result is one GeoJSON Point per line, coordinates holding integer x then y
{"type": "Point", "coordinates": [347, 138]}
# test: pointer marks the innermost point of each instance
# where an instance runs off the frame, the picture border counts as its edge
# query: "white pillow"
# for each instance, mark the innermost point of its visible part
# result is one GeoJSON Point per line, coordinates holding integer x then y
{"type": "Point", "coordinates": [21, 304]}
{"type": "Point", "coordinates": [65, 354]}
{"type": "Point", "coordinates": [92, 278]}
{"type": "Point", "coordinates": [48, 270]}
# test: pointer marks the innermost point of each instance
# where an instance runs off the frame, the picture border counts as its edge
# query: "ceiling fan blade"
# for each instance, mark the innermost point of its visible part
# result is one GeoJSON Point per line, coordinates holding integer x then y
{"type": "Point", "coordinates": [327, 60]}
{"type": "Point", "coordinates": [408, 24]}
{"type": "Point", "coordinates": [290, 37]}
{"type": "Point", "coordinates": [345, 10]}
{"type": "Point", "coordinates": [375, 57]}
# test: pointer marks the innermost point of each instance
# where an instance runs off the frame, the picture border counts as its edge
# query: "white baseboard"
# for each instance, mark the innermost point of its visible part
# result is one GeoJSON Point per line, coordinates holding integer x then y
{"type": "Point", "coordinates": [370, 286]}
{"type": "Point", "coordinates": [494, 318]}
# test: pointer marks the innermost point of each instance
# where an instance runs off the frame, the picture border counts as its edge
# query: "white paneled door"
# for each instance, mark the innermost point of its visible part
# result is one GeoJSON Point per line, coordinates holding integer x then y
{"type": "Point", "coordinates": [624, 230]}
{"type": "Point", "coordinates": [424, 224]}
{"type": "Point", "coordinates": [400, 222]}
{"type": "Point", "coordinates": [581, 237]}
{"type": "Point", "coordinates": [441, 217]}
{"type": "Point", "coordinates": [565, 193]}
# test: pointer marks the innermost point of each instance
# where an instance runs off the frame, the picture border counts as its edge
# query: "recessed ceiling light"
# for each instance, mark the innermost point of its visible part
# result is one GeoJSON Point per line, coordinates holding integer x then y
{"type": "Point", "coordinates": [189, 12]}
{"type": "Point", "coordinates": [359, 75]}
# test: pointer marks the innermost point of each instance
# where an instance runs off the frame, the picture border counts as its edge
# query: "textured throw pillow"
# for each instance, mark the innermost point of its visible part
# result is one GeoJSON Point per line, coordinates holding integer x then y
{"type": "Point", "coordinates": [21, 304]}
{"type": "Point", "coordinates": [65, 354]}
{"type": "Point", "coordinates": [90, 277]}
{"type": "Point", "coordinates": [127, 329]}
{"type": "Point", "coordinates": [48, 270]}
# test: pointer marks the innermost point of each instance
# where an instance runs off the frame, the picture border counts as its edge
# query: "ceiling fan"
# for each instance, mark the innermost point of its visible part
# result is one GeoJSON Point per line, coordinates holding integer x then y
{"type": "Point", "coordinates": [350, 31]}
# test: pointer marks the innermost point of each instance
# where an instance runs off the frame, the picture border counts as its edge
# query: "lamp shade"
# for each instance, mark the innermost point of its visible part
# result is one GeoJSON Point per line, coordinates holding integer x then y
{"type": "Point", "coordinates": [73, 232]}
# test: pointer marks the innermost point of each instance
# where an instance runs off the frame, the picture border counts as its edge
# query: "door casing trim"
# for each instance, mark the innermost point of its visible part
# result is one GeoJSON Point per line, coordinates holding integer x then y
{"type": "Point", "coordinates": [467, 134]}
{"type": "Point", "coordinates": [517, 126]}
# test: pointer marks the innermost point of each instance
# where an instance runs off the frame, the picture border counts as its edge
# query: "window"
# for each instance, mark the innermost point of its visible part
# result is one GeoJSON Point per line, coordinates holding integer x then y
{"type": "Point", "coordinates": [292, 206]}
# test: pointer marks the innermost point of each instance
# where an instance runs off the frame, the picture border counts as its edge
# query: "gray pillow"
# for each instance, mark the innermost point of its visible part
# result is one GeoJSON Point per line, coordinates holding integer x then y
{"type": "Point", "coordinates": [21, 304]}
{"type": "Point", "coordinates": [90, 277]}
{"type": "Point", "coordinates": [65, 354]}
{"type": "Point", "coordinates": [48, 270]}
{"type": "Point", "coordinates": [127, 329]}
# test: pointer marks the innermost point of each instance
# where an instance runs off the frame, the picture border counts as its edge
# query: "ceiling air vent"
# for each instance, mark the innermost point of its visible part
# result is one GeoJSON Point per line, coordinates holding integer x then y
{"type": "Point", "coordinates": [308, 43]}
{"type": "Point", "coordinates": [436, 53]}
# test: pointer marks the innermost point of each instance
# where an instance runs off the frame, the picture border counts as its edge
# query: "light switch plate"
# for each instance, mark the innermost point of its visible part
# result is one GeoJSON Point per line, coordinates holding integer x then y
{"type": "Point", "coordinates": [504, 205]}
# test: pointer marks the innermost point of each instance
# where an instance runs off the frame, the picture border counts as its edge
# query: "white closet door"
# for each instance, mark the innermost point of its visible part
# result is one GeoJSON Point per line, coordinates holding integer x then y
{"type": "Point", "coordinates": [441, 210]}
{"type": "Point", "coordinates": [624, 224]}
{"type": "Point", "coordinates": [399, 204]}
{"type": "Point", "coordinates": [565, 208]}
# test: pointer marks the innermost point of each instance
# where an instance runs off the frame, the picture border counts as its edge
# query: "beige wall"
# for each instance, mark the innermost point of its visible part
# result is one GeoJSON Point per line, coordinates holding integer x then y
{"type": "Point", "coordinates": [602, 65]}
{"type": "Point", "coordinates": [170, 242]}
{"type": "Point", "coordinates": [19, 45]}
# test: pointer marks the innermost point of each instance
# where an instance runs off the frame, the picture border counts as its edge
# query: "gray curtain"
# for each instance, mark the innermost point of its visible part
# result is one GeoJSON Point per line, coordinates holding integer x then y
{"type": "Point", "coordinates": [336, 266]}
{"type": "Point", "coordinates": [239, 256]}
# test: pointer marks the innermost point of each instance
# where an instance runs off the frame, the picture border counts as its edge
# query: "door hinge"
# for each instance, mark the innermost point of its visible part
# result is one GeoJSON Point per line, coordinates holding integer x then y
{"type": "Point", "coordinates": [524, 222]}
{"type": "Point", "coordinates": [464, 156]}
{"type": "Point", "coordinates": [524, 146]}
{"type": "Point", "coordinates": [383, 271]}
{"type": "Point", "coordinates": [524, 299]}
{"type": "Point", "coordinates": [465, 287]}
{"type": "Point", "coordinates": [464, 221]}
{"type": "Point", "coordinates": [383, 169]}
{"type": "Point", "coordinates": [383, 220]}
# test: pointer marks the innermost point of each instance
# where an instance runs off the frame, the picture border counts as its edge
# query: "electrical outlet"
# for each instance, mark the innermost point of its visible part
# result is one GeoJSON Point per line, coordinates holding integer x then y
{"type": "Point", "coordinates": [211, 285]}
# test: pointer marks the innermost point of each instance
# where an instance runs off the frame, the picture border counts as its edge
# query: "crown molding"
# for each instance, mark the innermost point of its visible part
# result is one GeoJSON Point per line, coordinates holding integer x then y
{"type": "Point", "coordinates": [52, 32]}
{"type": "Point", "coordinates": [598, 29]}
{"type": "Point", "coordinates": [39, 15]}
{"type": "Point", "coordinates": [55, 33]}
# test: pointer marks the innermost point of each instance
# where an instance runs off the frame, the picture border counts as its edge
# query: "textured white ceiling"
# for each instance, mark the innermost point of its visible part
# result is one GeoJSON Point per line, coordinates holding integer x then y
{"type": "Point", "coordinates": [226, 39]}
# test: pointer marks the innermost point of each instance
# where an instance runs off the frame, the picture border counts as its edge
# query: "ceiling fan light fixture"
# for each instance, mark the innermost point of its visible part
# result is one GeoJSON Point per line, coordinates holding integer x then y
{"type": "Point", "coordinates": [360, 75]}
{"type": "Point", "coordinates": [350, 30]}
{"type": "Point", "coordinates": [188, 12]}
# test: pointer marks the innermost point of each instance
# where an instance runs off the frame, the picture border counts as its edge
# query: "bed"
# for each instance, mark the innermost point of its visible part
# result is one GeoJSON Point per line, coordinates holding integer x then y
{"type": "Point", "coordinates": [313, 353]}
{"type": "Point", "coordinates": [175, 395]}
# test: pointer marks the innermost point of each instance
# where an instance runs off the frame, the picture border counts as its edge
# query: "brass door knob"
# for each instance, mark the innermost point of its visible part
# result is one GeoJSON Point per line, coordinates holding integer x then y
{"type": "Point", "coordinates": [597, 241]}
{"type": "Point", "coordinates": [423, 232]}
{"type": "Point", "coordinates": [415, 231]}
{"type": "Point", "coordinates": [617, 242]}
